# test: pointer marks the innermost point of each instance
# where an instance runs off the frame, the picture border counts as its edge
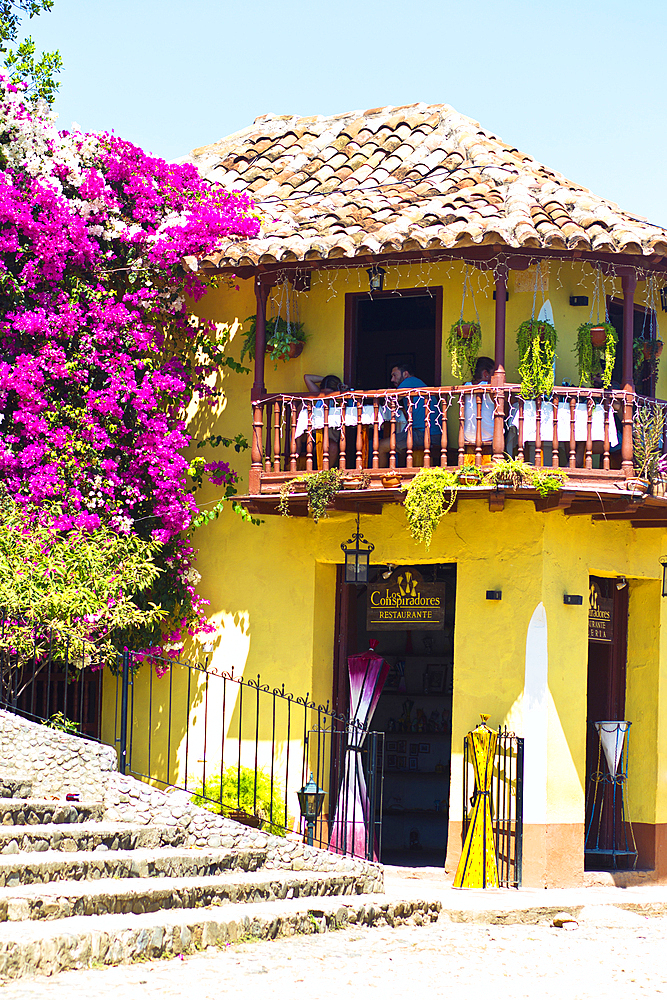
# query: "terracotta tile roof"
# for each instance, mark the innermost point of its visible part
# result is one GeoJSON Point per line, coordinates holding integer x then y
{"type": "Point", "coordinates": [419, 177]}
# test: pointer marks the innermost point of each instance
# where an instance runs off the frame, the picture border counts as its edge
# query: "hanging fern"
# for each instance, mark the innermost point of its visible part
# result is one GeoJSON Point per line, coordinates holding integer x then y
{"type": "Point", "coordinates": [594, 361]}
{"type": "Point", "coordinates": [536, 341]}
{"type": "Point", "coordinates": [464, 350]}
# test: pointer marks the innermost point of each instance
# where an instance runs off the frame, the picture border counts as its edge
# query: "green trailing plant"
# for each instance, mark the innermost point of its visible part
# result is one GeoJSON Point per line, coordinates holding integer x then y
{"type": "Point", "coordinates": [648, 427]}
{"type": "Point", "coordinates": [321, 487]}
{"type": "Point", "coordinates": [464, 350]}
{"type": "Point", "coordinates": [280, 335]}
{"type": "Point", "coordinates": [536, 341]}
{"type": "Point", "coordinates": [595, 361]}
{"type": "Point", "coordinates": [426, 502]}
{"type": "Point", "coordinates": [250, 791]}
{"type": "Point", "coordinates": [62, 724]}
{"type": "Point", "coordinates": [514, 473]}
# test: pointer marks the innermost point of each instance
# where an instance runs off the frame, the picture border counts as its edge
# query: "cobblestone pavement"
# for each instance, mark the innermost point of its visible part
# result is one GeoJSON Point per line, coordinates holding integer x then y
{"type": "Point", "coordinates": [611, 954]}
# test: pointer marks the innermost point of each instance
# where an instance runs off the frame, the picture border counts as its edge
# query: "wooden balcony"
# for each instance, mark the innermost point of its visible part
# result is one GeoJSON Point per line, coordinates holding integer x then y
{"type": "Point", "coordinates": [403, 430]}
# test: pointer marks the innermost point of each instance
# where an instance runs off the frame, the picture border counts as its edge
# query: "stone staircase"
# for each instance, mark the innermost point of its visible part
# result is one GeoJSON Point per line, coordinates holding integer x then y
{"type": "Point", "coordinates": [79, 887]}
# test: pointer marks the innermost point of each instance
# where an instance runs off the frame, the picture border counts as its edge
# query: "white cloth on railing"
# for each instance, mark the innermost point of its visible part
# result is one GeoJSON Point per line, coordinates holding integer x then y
{"type": "Point", "coordinates": [563, 422]}
{"type": "Point", "coordinates": [470, 417]}
{"type": "Point", "coordinates": [351, 416]}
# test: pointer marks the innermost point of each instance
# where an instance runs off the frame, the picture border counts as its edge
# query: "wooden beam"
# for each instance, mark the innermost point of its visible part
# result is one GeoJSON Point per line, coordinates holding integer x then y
{"type": "Point", "coordinates": [649, 524]}
{"type": "Point", "coordinates": [497, 500]}
{"type": "Point", "coordinates": [560, 501]}
{"type": "Point", "coordinates": [352, 506]}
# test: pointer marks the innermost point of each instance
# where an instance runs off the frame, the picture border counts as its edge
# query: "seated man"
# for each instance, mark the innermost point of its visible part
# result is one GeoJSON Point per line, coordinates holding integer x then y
{"type": "Point", "coordinates": [481, 376]}
{"type": "Point", "coordinates": [402, 378]}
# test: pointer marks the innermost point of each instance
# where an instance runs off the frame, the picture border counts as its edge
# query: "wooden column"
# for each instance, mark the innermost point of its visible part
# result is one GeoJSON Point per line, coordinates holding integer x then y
{"type": "Point", "coordinates": [498, 377]}
{"type": "Point", "coordinates": [629, 282]}
{"type": "Point", "coordinates": [261, 295]}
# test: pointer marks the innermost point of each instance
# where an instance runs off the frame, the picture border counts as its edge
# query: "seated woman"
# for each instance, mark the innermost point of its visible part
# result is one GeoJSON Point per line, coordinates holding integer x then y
{"type": "Point", "coordinates": [321, 386]}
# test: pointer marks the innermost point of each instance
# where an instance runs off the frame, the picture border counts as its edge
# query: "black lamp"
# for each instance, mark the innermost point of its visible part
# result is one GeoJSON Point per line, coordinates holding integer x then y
{"type": "Point", "coordinates": [663, 298]}
{"type": "Point", "coordinates": [311, 799]}
{"type": "Point", "coordinates": [376, 278]}
{"type": "Point", "coordinates": [357, 558]}
{"type": "Point", "coordinates": [663, 563]}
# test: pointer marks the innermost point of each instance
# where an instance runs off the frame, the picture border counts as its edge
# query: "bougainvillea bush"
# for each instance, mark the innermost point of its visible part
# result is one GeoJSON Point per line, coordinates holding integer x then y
{"type": "Point", "coordinates": [99, 357]}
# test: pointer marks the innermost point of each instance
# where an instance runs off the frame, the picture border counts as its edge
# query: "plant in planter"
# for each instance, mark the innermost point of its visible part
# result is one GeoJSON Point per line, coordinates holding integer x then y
{"type": "Point", "coordinates": [512, 473]}
{"type": "Point", "coordinates": [425, 503]}
{"type": "Point", "coordinates": [250, 792]}
{"type": "Point", "coordinates": [596, 352]}
{"type": "Point", "coordinates": [320, 488]}
{"type": "Point", "coordinates": [648, 427]}
{"type": "Point", "coordinates": [463, 344]}
{"type": "Point", "coordinates": [283, 340]}
{"type": "Point", "coordinates": [469, 475]}
{"type": "Point", "coordinates": [536, 341]}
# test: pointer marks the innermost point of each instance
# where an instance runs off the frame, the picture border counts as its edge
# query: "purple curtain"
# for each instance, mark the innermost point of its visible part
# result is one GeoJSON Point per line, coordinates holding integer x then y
{"type": "Point", "coordinates": [349, 831]}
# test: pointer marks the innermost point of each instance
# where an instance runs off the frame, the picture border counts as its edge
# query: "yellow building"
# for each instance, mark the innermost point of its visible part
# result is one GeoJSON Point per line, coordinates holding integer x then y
{"type": "Point", "coordinates": [380, 230]}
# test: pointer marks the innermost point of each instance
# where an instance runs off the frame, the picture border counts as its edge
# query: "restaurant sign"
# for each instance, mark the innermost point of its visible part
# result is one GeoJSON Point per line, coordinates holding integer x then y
{"type": "Point", "coordinates": [405, 601]}
{"type": "Point", "coordinates": [600, 615]}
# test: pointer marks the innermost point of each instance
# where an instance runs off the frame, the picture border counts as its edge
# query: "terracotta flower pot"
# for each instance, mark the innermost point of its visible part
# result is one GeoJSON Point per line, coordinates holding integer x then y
{"type": "Point", "coordinates": [652, 349]}
{"type": "Point", "coordinates": [637, 486]}
{"type": "Point", "coordinates": [465, 331]}
{"type": "Point", "coordinates": [294, 350]}
{"type": "Point", "coordinates": [391, 482]}
{"type": "Point", "coordinates": [241, 816]}
{"type": "Point", "coordinates": [598, 336]}
{"type": "Point", "coordinates": [353, 483]}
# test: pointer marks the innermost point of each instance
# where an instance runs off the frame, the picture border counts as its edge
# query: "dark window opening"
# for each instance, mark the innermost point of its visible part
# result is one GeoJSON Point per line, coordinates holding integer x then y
{"type": "Point", "coordinates": [390, 330]}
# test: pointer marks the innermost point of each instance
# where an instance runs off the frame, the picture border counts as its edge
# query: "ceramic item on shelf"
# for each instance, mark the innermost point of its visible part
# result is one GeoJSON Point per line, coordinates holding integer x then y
{"type": "Point", "coordinates": [391, 482]}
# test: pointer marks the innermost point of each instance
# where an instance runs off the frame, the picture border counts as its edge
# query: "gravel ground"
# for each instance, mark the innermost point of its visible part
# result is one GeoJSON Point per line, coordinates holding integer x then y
{"type": "Point", "coordinates": [610, 954]}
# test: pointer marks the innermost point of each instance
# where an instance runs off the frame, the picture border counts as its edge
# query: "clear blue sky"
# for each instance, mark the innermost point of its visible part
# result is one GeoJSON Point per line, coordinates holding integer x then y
{"type": "Point", "coordinates": [579, 84]}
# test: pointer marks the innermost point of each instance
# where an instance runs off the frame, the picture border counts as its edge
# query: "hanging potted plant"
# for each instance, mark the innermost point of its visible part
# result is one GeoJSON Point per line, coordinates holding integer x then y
{"type": "Point", "coordinates": [463, 343]}
{"type": "Point", "coordinates": [320, 487]}
{"type": "Point", "coordinates": [284, 339]}
{"type": "Point", "coordinates": [536, 341]}
{"type": "Point", "coordinates": [596, 352]}
{"type": "Point", "coordinates": [425, 503]}
{"type": "Point", "coordinates": [648, 427]}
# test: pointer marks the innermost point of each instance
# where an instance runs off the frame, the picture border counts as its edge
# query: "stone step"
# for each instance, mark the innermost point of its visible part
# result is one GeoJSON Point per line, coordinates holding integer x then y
{"type": "Point", "coordinates": [31, 948]}
{"type": "Point", "coordinates": [56, 866]}
{"type": "Point", "coordinates": [15, 786]}
{"type": "Point", "coordinates": [31, 812]}
{"type": "Point", "coordinates": [86, 837]}
{"type": "Point", "coordinates": [136, 895]}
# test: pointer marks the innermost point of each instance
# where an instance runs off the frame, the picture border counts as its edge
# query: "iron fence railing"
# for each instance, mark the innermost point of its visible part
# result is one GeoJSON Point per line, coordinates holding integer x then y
{"type": "Point", "coordinates": [506, 804]}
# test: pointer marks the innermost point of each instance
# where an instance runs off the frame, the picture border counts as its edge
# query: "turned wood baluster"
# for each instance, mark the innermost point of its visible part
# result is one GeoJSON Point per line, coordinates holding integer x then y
{"type": "Point", "coordinates": [276, 436]}
{"type": "Point", "coordinates": [478, 428]}
{"type": "Point", "coordinates": [462, 440]}
{"type": "Point", "coordinates": [376, 434]}
{"type": "Point", "coordinates": [588, 464]}
{"type": "Point", "coordinates": [498, 446]}
{"type": "Point", "coordinates": [443, 407]}
{"type": "Point", "coordinates": [360, 435]}
{"type": "Point", "coordinates": [573, 434]}
{"type": "Point", "coordinates": [538, 433]}
{"type": "Point", "coordinates": [342, 457]}
{"type": "Point", "coordinates": [606, 402]}
{"type": "Point", "coordinates": [555, 402]}
{"type": "Point", "coordinates": [256, 450]}
{"type": "Point", "coordinates": [626, 443]}
{"type": "Point", "coordinates": [427, 431]}
{"type": "Point", "coordinates": [267, 447]}
{"type": "Point", "coordinates": [309, 437]}
{"type": "Point", "coordinates": [292, 437]}
{"type": "Point", "coordinates": [325, 436]}
{"type": "Point", "coordinates": [392, 433]}
{"type": "Point", "coordinates": [408, 458]}
{"type": "Point", "coordinates": [520, 451]}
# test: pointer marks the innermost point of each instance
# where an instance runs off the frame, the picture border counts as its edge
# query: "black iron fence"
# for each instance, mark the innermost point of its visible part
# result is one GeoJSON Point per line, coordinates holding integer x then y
{"type": "Point", "coordinates": [506, 804]}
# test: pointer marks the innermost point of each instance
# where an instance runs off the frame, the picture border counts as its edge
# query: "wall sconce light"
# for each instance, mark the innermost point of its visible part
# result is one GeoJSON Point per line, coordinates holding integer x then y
{"type": "Point", "coordinates": [578, 300]}
{"type": "Point", "coordinates": [621, 583]}
{"type": "Point", "coordinates": [357, 558]}
{"type": "Point", "coordinates": [663, 298]}
{"type": "Point", "coordinates": [376, 278]}
{"type": "Point", "coordinates": [572, 599]}
{"type": "Point", "coordinates": [389, 570]}
{"type": "Point", "coordinates": [663, 563]}
{"type": "Point", "coordinates": [494, 595]}
{"type": "Point", "coordinates": [310, 799]}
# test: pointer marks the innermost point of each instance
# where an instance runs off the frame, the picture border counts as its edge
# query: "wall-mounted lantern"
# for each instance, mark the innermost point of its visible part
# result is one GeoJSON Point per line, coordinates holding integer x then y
{"type": "Point", "coordinates": [311, 799]}
{"type": "Point", "coordinates": [376, 278]}
{"type": "Point", "coordinates": [663, 563]}
{"type": "Point", "coordinates": [663, 298]}
{"type": "Point", "coordinates": [357, 557]}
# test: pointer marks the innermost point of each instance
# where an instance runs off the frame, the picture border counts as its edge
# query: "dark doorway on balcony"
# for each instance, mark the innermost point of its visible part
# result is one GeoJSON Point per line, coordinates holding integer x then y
{"type": "Point", "coordinates": [644, 328]}
{"type": "Point", "coordinates": [393, 328]}
{"type": "Point", "coordinates": [417, 760]}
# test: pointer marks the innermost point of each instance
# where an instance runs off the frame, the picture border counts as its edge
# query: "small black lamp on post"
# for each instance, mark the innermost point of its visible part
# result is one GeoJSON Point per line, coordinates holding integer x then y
{"type": "Point", "coordinates": [311, 799]}
{"type": "Point", "coordinates": [663, 563]}
{"type": "Point", "coordinates": [376, 278]}
{"type": "Point", "coordinates": [357, 558]}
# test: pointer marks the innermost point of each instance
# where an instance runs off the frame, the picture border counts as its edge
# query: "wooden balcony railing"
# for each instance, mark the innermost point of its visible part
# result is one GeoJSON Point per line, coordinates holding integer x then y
{"type": "Point", "coordinates": [403, 429]}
